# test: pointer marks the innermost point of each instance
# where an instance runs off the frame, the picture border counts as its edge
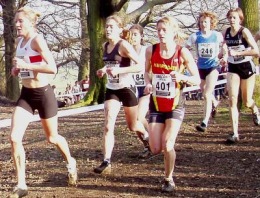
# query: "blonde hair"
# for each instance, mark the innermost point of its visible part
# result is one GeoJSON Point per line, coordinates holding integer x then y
{"type": "Point", "coordinates": [117, 19]}
{"type": "Point", "coordinates": [179, 37]}
{"type": "Point", "coordinates": [31, 14]}
{"type": "Point", "coordinates": [213, 19]}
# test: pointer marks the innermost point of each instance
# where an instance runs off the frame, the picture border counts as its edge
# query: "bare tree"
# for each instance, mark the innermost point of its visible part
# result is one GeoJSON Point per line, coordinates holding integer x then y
{"type": "Point", "coordinates": [75, 34]}
{"type": "Point", "coordinates": [12, 84]}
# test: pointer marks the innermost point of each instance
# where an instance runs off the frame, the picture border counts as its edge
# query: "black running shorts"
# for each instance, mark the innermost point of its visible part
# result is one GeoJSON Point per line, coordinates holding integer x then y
{"type": "Point", "coordinates": [244, 70]}
{"type": "Point", "coordinates": [43, 99]}
{"type": "Point", "coordinates": [125, 95]}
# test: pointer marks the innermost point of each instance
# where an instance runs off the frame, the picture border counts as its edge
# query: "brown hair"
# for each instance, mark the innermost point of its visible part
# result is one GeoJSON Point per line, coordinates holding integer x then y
{"type": "Point", "coordinates": [212, 16]}
{"type": "Point", "coordinates": [126, 35]}
{"type": "Point", "coordinates": [140, 30]}
{"type": "Point", "coordinates": [30, 14]}
{"type": "Point", "coordinates": [239, 11]}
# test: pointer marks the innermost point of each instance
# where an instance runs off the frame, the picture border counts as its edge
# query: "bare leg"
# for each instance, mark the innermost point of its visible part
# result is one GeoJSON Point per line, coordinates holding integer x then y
{"type": "Point", "coordinates": [112, 108]}
{"type": "Point", "coordinates": [143, 107]}
{"type": "Point", "coordinates": [210, 99]}
{"type": "Point", "coordinates": [247, 90]}
{"type": "Point", "coordinates": [18, 128]}
{"type": "Point", "coordinates": [233, 84]}
{"type": "Point", "coordinates": [170, 133]}
{"type": "Point", "coordinates": [133, 123]}
{"type": "Point", "coordinates": [50, 127]}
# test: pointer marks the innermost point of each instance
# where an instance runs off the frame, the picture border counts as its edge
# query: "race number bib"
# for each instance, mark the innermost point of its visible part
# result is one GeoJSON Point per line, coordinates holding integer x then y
{"type": "Point", "coordinates": [163, 86]}
{"type": "Point", "coordinates": [206, 50]}
{"type": "Point", "coordinates": [139, 79]}
{"type": "Point", "coordinates": [239, 48]}
{"type": "Point", "coordinates": [112, 79]}
{"type": "Point", "coordinates": [25, 73]}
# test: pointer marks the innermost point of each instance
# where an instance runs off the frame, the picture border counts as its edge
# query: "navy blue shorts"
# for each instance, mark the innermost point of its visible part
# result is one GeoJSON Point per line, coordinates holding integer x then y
{"type": "Point", "coordinates": [140, 92]}
{"type": "Point", "coordinates": [161, 117]}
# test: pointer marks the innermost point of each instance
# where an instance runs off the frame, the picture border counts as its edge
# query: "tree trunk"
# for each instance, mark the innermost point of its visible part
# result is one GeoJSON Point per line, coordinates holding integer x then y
{"type": "Point", "coordinates": [12, 83]}
{"type": "Point", "coordinates": [84, 62]}
{"type": "Point", "coordinates": [96, 36]}
{"type": "Point", "coordinates": [251, 14]}
{"type": "Point", "coordinates": [2, 70]}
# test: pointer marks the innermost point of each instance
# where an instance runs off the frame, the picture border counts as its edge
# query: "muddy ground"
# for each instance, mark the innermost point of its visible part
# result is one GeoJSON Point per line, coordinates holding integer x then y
{"type": "Point", "coordinates": [205, 167]}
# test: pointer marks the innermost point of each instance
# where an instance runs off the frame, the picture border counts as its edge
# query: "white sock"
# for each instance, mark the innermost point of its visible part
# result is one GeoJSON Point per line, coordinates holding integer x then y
{"type": "Point", "coordinates": [145, 136]}
{"type": "Point", "coordinates": [205, 122]}
{"type": "Point", "coordinates": [22, 186]}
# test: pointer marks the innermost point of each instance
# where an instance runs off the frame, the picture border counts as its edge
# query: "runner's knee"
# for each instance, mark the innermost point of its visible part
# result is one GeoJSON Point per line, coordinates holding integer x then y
{"type": "Point", "coordinates": [169, 145]}
{"type": "Point", "coordinates": [15, 139]}
{"type": "Point", "coordinates": [155, 150]}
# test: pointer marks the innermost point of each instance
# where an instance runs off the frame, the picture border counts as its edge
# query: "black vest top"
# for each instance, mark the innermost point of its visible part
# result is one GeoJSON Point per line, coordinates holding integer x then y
{"type": "Point", "coordinates": [114, 56]}
{"type": "Point", "coordinates": [236, 40]}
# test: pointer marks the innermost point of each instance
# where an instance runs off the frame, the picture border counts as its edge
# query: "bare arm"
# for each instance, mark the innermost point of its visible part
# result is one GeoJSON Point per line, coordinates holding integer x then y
{"type": "Point", "coordinates": [190, 64]}
{"type": "Point", "coordinates": [101, 72]}
{"type": "Point", "coordinates": [252, 43]}
{"type": "Point", "coordinates": [147, 74]}
{"type": "Point", "coordinates": [254, 51]}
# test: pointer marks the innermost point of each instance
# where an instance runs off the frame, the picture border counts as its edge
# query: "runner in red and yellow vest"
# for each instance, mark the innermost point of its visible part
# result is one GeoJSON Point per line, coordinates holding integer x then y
{"type": "Point", "coordinates": [167, 93]}
{"type": "Point", "coordinates": [165, 64]}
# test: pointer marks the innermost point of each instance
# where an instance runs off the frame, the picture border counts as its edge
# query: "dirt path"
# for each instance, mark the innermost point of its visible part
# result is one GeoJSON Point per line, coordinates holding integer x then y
{"type": "Point", "coordinates": [205, 166]}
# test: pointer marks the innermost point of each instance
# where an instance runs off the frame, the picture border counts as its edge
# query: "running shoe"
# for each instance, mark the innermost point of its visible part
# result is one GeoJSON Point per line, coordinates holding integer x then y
{"type": "Point", "coordinates": [104, 168]}
{"type": "Point", "coordinates": [256, 118]}
{"type": "Point", "coordinates": [202, 127]}
{"type": "Point", "coordinates": [145, 153]}
{"type": "Point", "coordinates": [145, 141]}
{"type": "Point", "coordinates": [18, 192]}
{"type": "Point", "coordinates": [72, 173]}
{"type": "Point", "coordinates": [232, 139]}
{"type": "Point", "coordinates": [168, 185]}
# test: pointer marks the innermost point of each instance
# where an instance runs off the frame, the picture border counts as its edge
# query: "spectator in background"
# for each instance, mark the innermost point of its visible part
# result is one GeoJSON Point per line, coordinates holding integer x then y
{"type": "Point", "coordinates": [76, 89]}
{"type": "Point", "coordinates": [60, 102]}
{"type": "Point", "coordinates": [85, 83]}
{"type": "Point", "coordinates": [54, 89]}
{"type": "Point", "coordinates": [68, 98]}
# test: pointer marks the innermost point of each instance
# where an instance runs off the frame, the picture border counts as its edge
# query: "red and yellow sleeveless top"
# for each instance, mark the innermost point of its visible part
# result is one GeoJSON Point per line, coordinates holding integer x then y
{"type": "Point", "coordinates": [167, 93]}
